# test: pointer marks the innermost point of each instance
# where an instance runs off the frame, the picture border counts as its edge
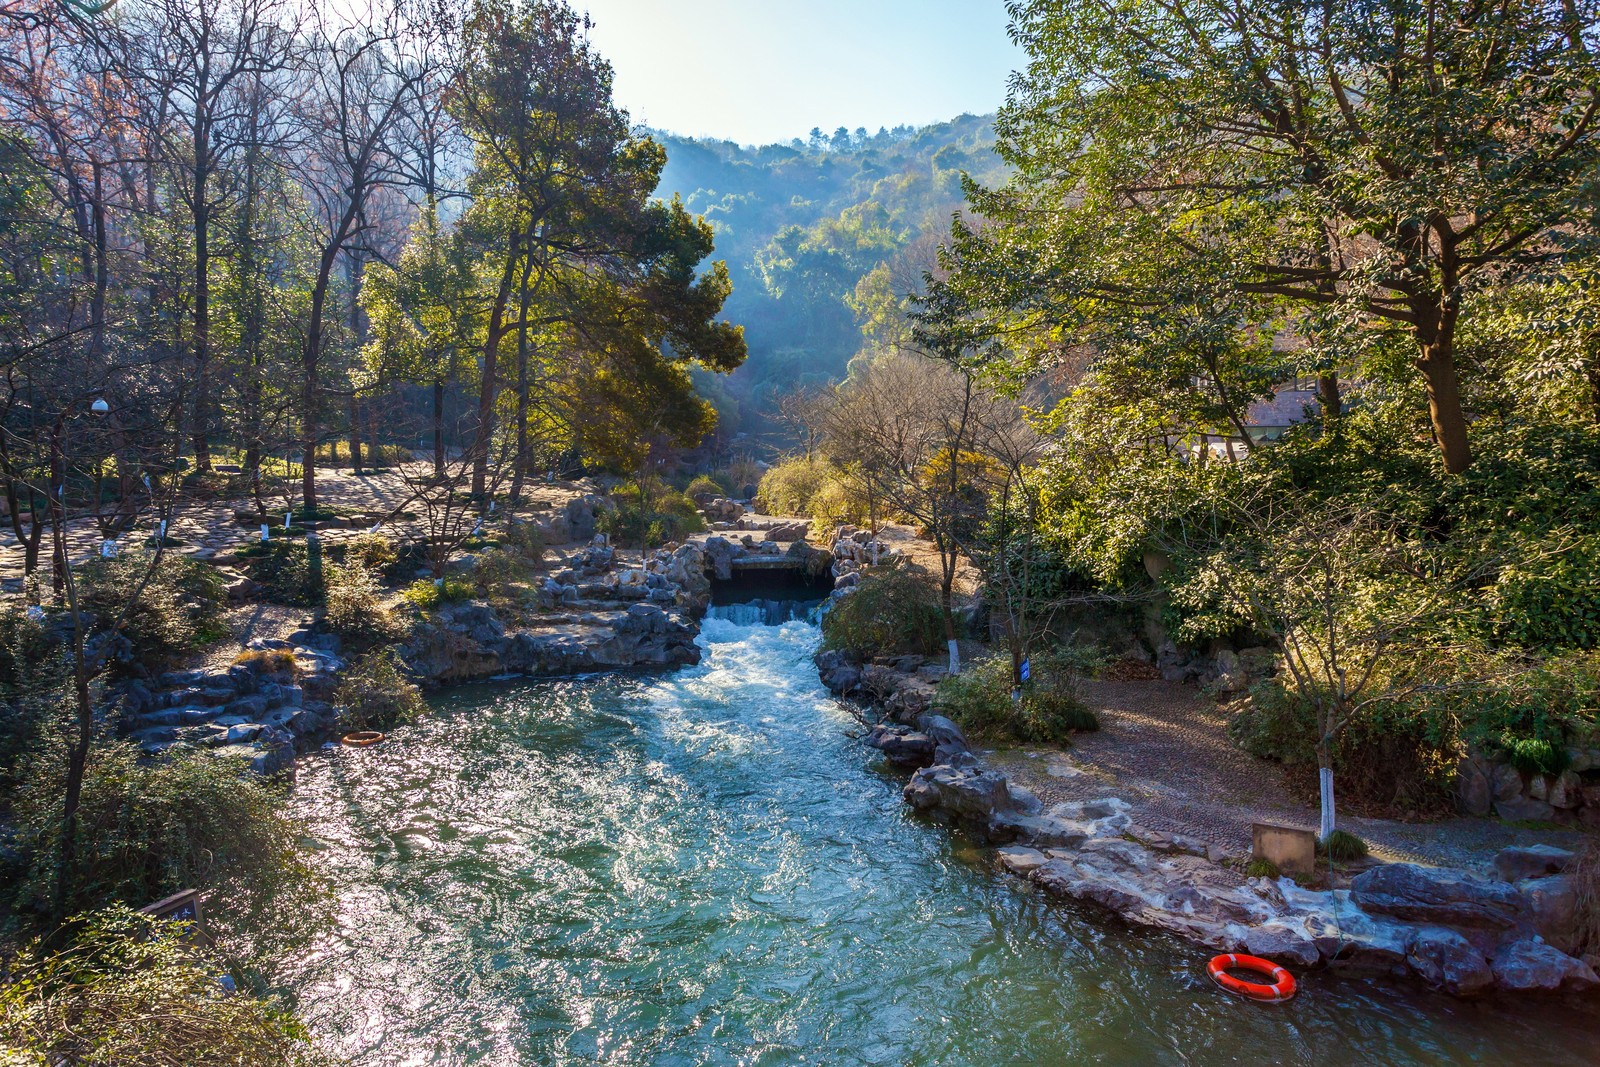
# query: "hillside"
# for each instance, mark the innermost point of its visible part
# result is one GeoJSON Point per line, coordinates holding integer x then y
{"type": "Point", "coordinates": [822, 239]}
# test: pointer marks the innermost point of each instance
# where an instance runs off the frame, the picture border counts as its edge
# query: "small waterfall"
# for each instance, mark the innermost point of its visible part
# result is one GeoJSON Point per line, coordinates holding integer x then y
{"type": "Point", "coordinates": [765, 612]}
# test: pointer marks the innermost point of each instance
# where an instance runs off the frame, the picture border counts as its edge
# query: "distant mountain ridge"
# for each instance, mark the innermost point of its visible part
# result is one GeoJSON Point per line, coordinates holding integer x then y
{"type": "Point", "coordinates": [821, 238]}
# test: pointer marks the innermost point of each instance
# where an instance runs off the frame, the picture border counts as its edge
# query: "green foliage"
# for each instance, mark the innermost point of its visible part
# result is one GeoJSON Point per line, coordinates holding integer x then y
{"type": "Point", "coordinates": [497, 573]}
{"type": "Point", "coordinates": [1049, 712]}
{"type": "Point", "coordinates": [1262, 868]}
{"type": "Point", "coordinates": [1342, 846]}
{"type": "Point", "coordinates": [893, 610]}
{"type": "Point", "coordinates": [178, 609]}
{"type": "Point", "coordinates": [704, 485]}
{"type": "Point", "coordinates": [353, 601]}
{"type": "Point", "coordinates": [371, 550]}
{"type": "Point", "coordinates": [375, 694]}
{"type": "Point", "coordinates": [427, 596]}
{"type": "Point", "coordinates": [192, 821]}
{"type": "Point", "coordinates": [659, 513]}
{"type": "Point", "coordinates": [1536, 755]}
{"type": "Point", "coordinates": [526, 540]}
{"type": "Point", "coordinates": [788, 486]}
{"type": "Point", "coordinates": [283, 570]}
{"type": "Point", "coordinates": [135, 992]}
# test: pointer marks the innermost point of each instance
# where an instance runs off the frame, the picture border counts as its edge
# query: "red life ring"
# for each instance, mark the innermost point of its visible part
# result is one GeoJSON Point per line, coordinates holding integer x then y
{"type": "Point", "coordinates": [1282, 985]}
{"type": "Point", "coordinates": [362, 738]}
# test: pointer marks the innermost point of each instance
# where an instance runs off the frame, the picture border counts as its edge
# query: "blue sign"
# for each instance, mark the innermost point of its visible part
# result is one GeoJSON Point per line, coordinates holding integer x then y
{"type": "Point", "coordinates": [1027, 670]}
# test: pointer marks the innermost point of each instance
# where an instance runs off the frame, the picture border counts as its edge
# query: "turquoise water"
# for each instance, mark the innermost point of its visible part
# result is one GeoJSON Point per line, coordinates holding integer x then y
{"type": "Point", "coordinates": [704, 868]}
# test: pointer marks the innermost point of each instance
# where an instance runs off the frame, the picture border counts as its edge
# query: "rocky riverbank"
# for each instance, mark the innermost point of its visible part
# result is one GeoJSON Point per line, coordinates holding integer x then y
{"type": "Point", "coordinates": [1457, 931]}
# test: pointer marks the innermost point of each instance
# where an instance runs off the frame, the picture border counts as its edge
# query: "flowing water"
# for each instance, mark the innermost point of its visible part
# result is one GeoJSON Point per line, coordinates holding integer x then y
{"type": "Point", "coordinates": [704, 868]}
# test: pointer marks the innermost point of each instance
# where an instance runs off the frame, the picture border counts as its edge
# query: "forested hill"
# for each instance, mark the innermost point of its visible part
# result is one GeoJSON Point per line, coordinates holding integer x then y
{"type": "Point", "coordinates": [822, 238]}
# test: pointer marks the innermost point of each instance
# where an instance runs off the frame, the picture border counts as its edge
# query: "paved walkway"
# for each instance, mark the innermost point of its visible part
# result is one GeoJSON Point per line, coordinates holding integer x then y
{"type": "Point", "coordinates": [208, 528]}
{"type": "Point", "coordinates": [1163, 747]}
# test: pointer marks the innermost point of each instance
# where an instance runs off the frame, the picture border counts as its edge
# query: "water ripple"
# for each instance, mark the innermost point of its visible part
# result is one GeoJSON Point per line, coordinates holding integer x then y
{"type": "Point", "coordinates": [704, 869]}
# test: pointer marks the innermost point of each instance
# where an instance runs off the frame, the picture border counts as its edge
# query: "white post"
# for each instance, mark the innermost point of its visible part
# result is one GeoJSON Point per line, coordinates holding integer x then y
{"type": "Point", "coordinates": [1326, 776]}
{"type": "Point", "coordinates": [955, 657]}
{"type": "Point", "coordinates": [288, 519]}
{"type": "Point", "coordinates": [265, 535]}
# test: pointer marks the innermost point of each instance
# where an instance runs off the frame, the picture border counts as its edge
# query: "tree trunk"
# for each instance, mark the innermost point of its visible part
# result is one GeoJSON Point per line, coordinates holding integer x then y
{"type": "Point", "coordinates": [1329, 822]}
{"type": "Point", "coordinates": [310, 364]}
{"type": "Point", "coordinates": [354, 413]}
{"type": "Point", "coordinates": [438, 428]}
{"type": "Point", "coordinates": [484, 432]}
{"type": "Point", "coordinates": [947, 610]}
{"type": "Point", "coordinates": [1438, 365]}
{"type": "Point", "coordinates": [1328, 396]}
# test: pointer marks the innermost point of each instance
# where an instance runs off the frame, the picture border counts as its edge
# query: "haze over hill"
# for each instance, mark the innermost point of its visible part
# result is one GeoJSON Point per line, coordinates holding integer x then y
{"type": "Point", "coordinates": [823, 239]}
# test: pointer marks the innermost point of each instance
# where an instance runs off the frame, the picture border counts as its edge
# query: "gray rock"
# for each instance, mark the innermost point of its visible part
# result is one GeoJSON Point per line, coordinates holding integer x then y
{"type": "Point", "coordinates": [1553, 908]}
{"type": "Point", "coordinates": [1434, 895]}
{"type": "Point", "coordinates": [1531, 861]}
{"type": "Point", "coordinates": [1019, 859]}
{"type": "Point", "coordinates": [1523, 809]}
{"type": "Point", "coordinates": [245, 731]}
{"type": "Point", "coordinates": [900, 745]}
{"type": "Point", "coordinates": [1507, 782]}
{"type": "Point", "coordinates": [1284, 944]}
{"type": "Point", "coordinates": [1474, 786]}
{"type": "Point", "coordinates": [251, 707]}
{"type": "Point", "coordinates": [1533, 966]}
{"type": "Point", "coordinates": [1446, 959]}
{"type": "Point", "coordinates": [967, 794]}
{"type": "Point", "coordinates": [1566, 791]}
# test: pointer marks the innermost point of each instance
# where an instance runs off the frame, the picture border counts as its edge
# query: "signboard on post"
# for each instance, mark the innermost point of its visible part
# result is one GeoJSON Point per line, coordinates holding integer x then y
{"type": "Point", "coordinates": [183, 907]}
{"type": "Point", "coordinates": [1027, 669]}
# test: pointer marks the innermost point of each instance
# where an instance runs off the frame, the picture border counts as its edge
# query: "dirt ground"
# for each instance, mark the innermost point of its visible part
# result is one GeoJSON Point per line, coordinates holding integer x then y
{"type": "Point", "coordinates": [1163, 747]}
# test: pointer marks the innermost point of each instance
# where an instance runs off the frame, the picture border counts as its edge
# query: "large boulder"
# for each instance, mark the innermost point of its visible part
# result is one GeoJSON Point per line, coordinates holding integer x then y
{"type": "Point", "coordinates": [968, 794]}
{"type": "Point", "coordinates": [1533, 966]}
{"type": "Point", "coordinates": [1448, 960]}
{"type": "Point", "coordinates": [1436, 895]}
{"type": "Point", "coordinates": [1531, 861]}
{"type": "Point", "coordinates": [901, 745]}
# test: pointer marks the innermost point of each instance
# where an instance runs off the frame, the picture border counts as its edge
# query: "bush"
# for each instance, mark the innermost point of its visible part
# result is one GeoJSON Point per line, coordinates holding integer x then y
{"type": "Point", "coordinates": [788, 487]}
{"type": "Point", "coordinates": [1262, 868]}
{"type": "Point", "coordinates": [893, 610]}
{"type": "Point", "coordinates": [496, 573]}
{"type": "Point", "coordinates": [136, 993]}
{"type": "Point", "coordinates": [1342, 846]}
{"type": "Point", "coordinates": [427, 596]}
{"type": "Point", "coordinates": [1398, 760]}
{"type": "Point", "coordinates": [1534, 755]}
{"type": "Point", "coordinates": [283, 570]}
{"type": "Point", "coordinates": [526, 539]}
{"type": "Point", "coordinates": [372, 551]}
{"type": "Point", "coordinates": [704, 486]}
{"type": "Point", "coordinates": [178, 610]}
{"type": "Point", "coordinates": [834, 505]}
{"type": "Point", "coordinates": [279, 662]}
{"type": "Point", "coordinates": [144, 832]}
{"type": "Point", "coordinates": [1050, 710]}
{"type": "Point", "coordinates": [353, 602]}
{"type": "Point", "coordinates": [375, 694]}
{"type": "Point", "coordinates": [665, 515]}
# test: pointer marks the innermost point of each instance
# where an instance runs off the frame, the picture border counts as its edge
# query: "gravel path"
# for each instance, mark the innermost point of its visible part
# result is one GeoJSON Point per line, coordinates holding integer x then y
{"type": "Point", "coordinates": [1163, 747]}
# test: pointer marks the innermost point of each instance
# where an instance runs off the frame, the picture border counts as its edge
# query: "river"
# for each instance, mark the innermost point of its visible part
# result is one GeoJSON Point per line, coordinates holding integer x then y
{"type": "Point", "coordinates": [704, 868]}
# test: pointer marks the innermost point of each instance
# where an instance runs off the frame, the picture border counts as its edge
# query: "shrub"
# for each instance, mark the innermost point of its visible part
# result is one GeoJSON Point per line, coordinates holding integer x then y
{"type": "Point", "coordinates": [893, 610]}
{"type": "Point", "coordinates": [371, 550]}
{"type": "Point", "coordinates": [375, 694]}
{"type": "Point", "coordinates": [135, 992]}
{"type": "Point", "coordinates": [788, 487]}
{"type": "Point", "coordinates": [833, 505]}
{"type": "Point", "coordinates": [428, 596]}
{"type": "Point", "coordinates": [283, 570]}
{"type": "Point", "coordinates": [145, 832]}
{"type": "Point", "coordinates": [1262, 868]}
{"type": "Point", "coordinates": [1342, 846]}
{"type": "Point", "coordinates": [269, 661]}
{"type": "Point", "coordinates": [664, 515]}
{"type": "Point", "coordinates": [353, 602]}
{"type": "Point", "coordinates": [177, 610]}
{"type": "Point", "coordinates": [497, 572]}
{"type": "Point", "coordinates": [704, 486]}
{"type": "Point", "coordinates": [1535, 755]}
{"type": "Point", "coordinates": [1050, 710]}
{"type": "Point", "coordinates": [526, 539]}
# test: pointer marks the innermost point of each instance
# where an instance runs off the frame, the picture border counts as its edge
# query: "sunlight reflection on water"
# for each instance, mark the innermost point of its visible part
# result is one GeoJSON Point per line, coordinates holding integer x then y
{"type": "Point", "coordinates": [703, 868]}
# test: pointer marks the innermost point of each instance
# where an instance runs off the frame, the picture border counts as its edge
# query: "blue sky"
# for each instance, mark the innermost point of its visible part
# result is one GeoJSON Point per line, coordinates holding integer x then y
{"type": "Point", "coordinates": [757, 71]}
